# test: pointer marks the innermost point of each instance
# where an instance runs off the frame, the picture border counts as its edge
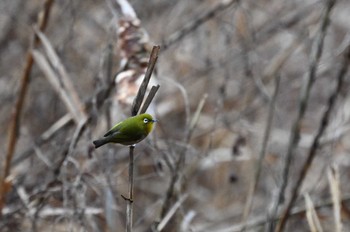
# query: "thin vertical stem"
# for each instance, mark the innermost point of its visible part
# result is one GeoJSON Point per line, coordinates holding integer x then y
{"type": "Point", "coordinates": [316, 142]}
{"type": "Point", "coordinates": [135, 108]}
{"type": "Point", "coordinates": [258, 164]}
{"type": "Point", "coordinates": [129, 206]}
{"type": "Point", "coordinates": [303, 103]}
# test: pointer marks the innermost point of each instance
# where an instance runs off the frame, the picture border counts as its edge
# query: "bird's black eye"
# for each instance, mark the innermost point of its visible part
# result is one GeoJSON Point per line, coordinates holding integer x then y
{"type": "Point", "coordinates": [145, 120]}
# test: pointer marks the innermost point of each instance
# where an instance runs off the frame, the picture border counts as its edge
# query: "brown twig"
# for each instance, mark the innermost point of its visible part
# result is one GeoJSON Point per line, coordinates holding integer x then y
{"type": "Point", "coordinates": [315, 144]}
{"type": "Point", "coordinates": [15, 122]}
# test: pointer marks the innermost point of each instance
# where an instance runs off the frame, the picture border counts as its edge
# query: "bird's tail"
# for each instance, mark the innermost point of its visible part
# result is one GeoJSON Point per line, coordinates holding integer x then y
{"type": "Point", "coordinates": [98, 143]}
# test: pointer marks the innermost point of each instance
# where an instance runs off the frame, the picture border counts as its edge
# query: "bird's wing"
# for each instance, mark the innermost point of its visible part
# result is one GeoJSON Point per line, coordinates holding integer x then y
{"type": "Point", "coordinates": [113, 129]}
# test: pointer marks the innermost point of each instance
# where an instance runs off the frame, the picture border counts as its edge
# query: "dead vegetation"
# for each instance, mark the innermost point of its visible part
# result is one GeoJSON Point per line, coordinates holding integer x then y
{"type": "Point", "coordinates": [253, 111]}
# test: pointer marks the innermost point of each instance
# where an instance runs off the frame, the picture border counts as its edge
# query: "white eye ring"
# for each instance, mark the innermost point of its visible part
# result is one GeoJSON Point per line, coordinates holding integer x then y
{"type": "Point", "coordinates": [145, 120]}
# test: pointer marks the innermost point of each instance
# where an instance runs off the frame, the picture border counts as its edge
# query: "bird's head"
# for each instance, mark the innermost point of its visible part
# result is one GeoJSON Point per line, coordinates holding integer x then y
{"type": "Point", "coordinates": [147, 122]}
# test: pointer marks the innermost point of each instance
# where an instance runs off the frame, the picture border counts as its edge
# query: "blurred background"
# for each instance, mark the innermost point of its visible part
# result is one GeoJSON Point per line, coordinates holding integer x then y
{"type": "Point", "coordinates": [230, 73]}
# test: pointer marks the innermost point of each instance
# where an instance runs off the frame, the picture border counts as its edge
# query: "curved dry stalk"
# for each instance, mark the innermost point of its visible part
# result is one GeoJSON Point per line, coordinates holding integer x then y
{"type": "Point", "coordinates": [59, 78]}
{"type": "Point", "coordinates": [15, 122]}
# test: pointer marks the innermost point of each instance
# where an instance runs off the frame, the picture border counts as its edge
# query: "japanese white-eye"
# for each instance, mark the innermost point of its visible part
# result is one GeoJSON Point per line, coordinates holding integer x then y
{"type": "Point", "coordinates": [128, 132]}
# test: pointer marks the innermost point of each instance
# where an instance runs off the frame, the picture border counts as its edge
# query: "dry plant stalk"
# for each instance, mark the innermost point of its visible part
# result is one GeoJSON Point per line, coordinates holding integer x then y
{"type": "Point", "coordinates": [149, 98]}
{"type": "Point", "coordinates": [171, 212]}
{"type": "Point", "coordinates": [60, 80]}
{"type": "Point", "coordinates": [58, 77]}
{"type": "Point", "coordinates": [15, 121]}
{"type": "Point", "coordinates": [96, 100]}
{"type": "Point", "coordinates": [334, 186]}
{"type": "Point", "coordinates": [130, 205]}
{"type": "Point", "coordinates": [303, 103]}
{"type": "Point", "coordinates": [142, 90]}
{"type": "Point", "coordinates": [134, 110]}
{"type": "Point", "coordinates": [55, 82]}
{"type": "Point", "coordinates": [311, 215]}
{"type": "Point", "coordinates": [259, 221]}
{"type": "Point", "coordinates": [177, 170]}
{"type": "Point", "coordinates": [258, 165]}
{"type": "Point", "coordinates": [315, 144]}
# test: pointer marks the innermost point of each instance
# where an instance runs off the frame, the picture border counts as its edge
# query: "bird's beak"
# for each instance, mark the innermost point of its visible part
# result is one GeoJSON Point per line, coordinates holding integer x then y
{"type": "Point", "coordinates": [154, 120]}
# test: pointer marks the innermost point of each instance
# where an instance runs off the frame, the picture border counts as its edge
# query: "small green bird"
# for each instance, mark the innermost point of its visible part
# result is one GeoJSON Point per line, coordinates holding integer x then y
{"type": "Point", "coordinates": [128, 132]}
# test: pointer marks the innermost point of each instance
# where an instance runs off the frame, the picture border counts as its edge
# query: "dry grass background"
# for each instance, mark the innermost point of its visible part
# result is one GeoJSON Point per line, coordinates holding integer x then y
{"type": "Point", "coordinates": [231, 62]}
